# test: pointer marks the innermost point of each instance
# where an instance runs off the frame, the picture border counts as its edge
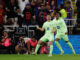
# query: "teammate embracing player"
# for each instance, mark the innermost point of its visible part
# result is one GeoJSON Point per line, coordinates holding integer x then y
{"type": "Point", "coordinates": [57, 25]}
{"type": "Point", "coordinates": [49, 36]}
{"type": "Point", "coordinates": [62, 32]}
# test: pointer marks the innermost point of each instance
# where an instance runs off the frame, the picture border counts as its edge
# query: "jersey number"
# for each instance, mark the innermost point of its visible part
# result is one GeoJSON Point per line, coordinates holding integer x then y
{"type": "Point", "coordinates": [58, 27]}
{"type": "Point", "coordinates": [47, 28]}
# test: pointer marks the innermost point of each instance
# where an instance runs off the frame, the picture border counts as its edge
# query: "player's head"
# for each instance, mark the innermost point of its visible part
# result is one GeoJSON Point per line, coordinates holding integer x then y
{"type": "Point", "coordinates": [48, 17]}
{"type": "Point", "coordinates": [33, 38]}
{"type": "Point", "coordinates": [58, 14]}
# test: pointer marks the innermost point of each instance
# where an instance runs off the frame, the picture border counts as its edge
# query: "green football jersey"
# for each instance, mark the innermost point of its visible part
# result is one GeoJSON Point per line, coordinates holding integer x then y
{"type": "Point", "coordinates": [48, 26]}
{"type": "Point", "coordinates": [60, 25]}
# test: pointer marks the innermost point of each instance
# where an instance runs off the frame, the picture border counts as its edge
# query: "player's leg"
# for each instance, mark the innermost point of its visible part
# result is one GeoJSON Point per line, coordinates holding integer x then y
{"type": "Point", "coordinates": [57, 38]}
{"type": "Point", "coordinates": [65, 37]}
{"type": "Point", "coordinates": [38, 46]}
{"type": "Point", "coordinates": [51, 48]}
{"type": "Point", "coordinates": [51, 39]}
{"type": "Point", "coordinates": [43, 39]}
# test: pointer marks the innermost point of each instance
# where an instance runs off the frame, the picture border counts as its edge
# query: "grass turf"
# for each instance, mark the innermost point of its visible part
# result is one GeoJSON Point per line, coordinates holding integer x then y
{"type": "Point", "coordinates": [39, 57]}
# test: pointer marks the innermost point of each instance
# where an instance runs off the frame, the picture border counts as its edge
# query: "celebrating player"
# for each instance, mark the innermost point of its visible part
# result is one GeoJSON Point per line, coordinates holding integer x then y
{"type": "Point", "coordinates": [48, 27]}
{"type": "Point", "coordinates": [61, 29]}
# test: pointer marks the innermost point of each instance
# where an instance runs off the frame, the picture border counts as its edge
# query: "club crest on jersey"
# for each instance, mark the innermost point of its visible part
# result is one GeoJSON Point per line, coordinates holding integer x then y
{"type": "Point", "coordinates": [58, 27]}
{"type": "Point", "coordinates": [47, 28]}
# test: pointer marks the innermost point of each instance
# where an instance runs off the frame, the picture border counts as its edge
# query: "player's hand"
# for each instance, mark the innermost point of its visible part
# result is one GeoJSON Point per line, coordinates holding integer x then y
{"type": "Point", "coordinates": [37, 27]}
{"type": "Point", "coordinates": [52, 32]}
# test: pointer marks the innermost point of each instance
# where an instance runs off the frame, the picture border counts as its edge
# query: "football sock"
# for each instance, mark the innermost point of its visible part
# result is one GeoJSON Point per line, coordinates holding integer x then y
{"type": "Point", "coordinates": [37, 47]}
{"type": "Point", "coordinates": [58, 45]}
{"type": "Point", "coordinates": [70, 45]}
{"type": "Point", "coordinates": [51, 49]}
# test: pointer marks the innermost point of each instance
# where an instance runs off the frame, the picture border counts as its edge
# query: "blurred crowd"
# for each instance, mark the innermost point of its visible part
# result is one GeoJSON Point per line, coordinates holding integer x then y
{"type": "Point", "coordinates": [29, 12]}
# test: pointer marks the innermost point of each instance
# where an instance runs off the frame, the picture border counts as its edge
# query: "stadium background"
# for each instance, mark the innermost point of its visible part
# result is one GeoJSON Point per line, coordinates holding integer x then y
{"type": "Point", "coordinates": [74, 31]}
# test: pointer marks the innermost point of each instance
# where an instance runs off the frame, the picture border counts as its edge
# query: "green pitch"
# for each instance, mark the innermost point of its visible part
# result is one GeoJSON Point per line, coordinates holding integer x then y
{"type": "Point", "coordinates": [39, 57]}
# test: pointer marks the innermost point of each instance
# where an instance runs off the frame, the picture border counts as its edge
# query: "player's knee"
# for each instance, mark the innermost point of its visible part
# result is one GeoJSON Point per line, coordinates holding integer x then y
{"type": "Point", "coordinates": [57, 39]}
{"type": "Point", "coordinates": [40, 42]}
{"type": "Point", "coordinates": [66, 41]}
{"type": "Point", "coordinates": [51, 42]}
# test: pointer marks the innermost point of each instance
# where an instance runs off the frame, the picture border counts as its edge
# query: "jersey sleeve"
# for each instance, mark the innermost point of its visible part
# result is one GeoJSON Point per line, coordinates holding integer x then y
{"type": "Point", "coordinates": [43, 25]}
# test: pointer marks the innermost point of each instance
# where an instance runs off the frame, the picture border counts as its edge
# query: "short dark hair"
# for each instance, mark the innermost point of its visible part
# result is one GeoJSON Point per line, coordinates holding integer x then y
{"type": "Point", "coordinates": [59, 13]}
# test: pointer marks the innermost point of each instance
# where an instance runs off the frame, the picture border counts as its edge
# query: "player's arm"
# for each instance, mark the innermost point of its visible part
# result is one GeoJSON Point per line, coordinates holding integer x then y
{"type": "Point", "coordinates": [54, 30]}
{"type": "Point", "coordinates": [54, 27]}
{"type": "Point", "coordinates": [42, 29]}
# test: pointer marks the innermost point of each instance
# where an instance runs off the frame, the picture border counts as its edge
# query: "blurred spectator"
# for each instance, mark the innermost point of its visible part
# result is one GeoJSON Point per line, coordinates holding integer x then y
{"type": "Point", "coordinates": [9, 21]}
{"type": "Point", "coordinates": [1, 14]}
{"type": "Point", "coordinates": [48, 7]}
{"type": "Point", "coordinates": [33, 21]}
{"type": "Point", "coordinates": [22, 4]}
{"type": "Point", "coordinates": [5, 42]}
{"type": "Point", "coordinates": [31, 45]}
{"type": "Point", "coordinates": [20, 20]}
{"type": "Point", "coordinates": [21, 46]}
{"type": "Point", "coordinates": [33, 4]}
{"type": "Point", "coordinates": [12, 9]}
{"type": "Point", "coordinates": [51, 2]}
{"type": "Point", "coordinates": [1, 31]}
{"type": "Point", "coordinates": [62, 11]}
{"type": "Point", "coordinates": [68, 9]}
{"type": "Point", "coordinates": [42, 14]}
{"type": "Point", "coordinates": [40, 1]}
{"type": "Point", "coordinates": [38, 4]}
{"type": "Point", "coordinates": [78, 11]}
{"type": "Point", "coordinates": [28, 14]}
{"type": "Point", "coordinates": [44, 48]}
{"type": "Point", "coordinates": [53, 5]}
{"type": "Point", "coordinates": [2, 2]}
